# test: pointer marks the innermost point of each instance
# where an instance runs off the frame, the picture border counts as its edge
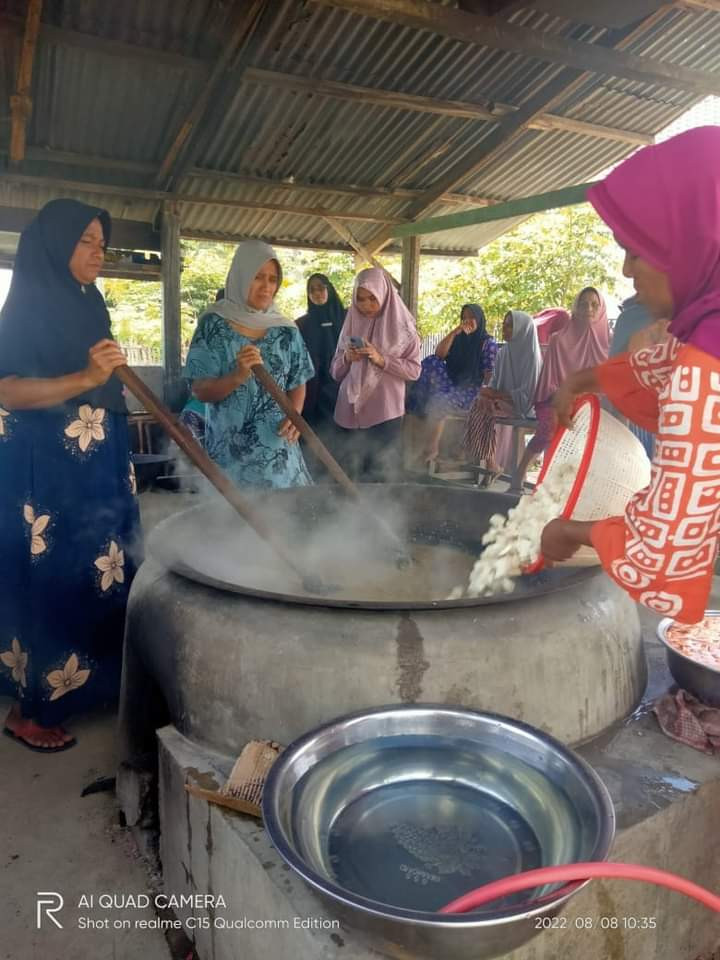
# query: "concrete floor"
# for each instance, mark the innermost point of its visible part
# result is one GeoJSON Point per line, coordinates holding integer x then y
{"type": "Point", "coordinates": [52, 839]}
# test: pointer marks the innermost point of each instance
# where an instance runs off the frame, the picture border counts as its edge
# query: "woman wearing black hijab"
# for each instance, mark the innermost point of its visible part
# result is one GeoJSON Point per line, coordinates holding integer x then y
{"type": "Point", "coordinates": [68, 515]}
{"type": "Point", "coordinates": [451, 378]}
{"type": "Point", "coordinates": [320, 328]}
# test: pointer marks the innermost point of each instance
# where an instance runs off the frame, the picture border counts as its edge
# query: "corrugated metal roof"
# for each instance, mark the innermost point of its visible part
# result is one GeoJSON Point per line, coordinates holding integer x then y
{"type": "Point", "coordinates": [91, 101]}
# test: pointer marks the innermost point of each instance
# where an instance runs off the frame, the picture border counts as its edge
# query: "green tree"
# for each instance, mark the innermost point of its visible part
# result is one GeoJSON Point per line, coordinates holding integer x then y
{"type": "Point", "coordinates": [136, 310]}
{"type": "Point", "coordinates": [543, 262]}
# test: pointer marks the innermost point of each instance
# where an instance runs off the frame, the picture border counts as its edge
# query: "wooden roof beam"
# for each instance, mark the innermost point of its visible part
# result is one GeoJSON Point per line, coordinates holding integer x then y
{"type": "Point", "coordinates": [340, 91]}
{"type": "Point", "coordinates": [346, 234]}
{"type": "Point", "coordinates": [155, 195]}
{"type": "Point", "coordinates": [519, 207]}
{"type": "Point", "coordinates": [560, 87]}
{"type": "Point", "coordinates": [220, 237]}
{"type": "Point", "coordinates": [701, 5]}
{"type": "Point", "coordinates": [490, 112]}
{"type": "Point", "coordinates": [145, 168]}
{"type": "Point", "coordinates": [342, 189]}
{"type": "Point", "coordinates": [242, 30]}
{"type": "Point", "coordinates": [126, 234]}
{"type": "Point", "coordinates": [494, 33]}
{"type": "Point", "coordinates": [64, 36]}
{"type": "Point", "coordinates": [549, 121]}
{"type": "Point", "coordinates": [20, 101]}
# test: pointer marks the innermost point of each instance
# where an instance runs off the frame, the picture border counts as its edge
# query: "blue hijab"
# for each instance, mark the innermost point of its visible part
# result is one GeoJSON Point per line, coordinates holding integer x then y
{"type": "Point", "coordinates": [50, 321]}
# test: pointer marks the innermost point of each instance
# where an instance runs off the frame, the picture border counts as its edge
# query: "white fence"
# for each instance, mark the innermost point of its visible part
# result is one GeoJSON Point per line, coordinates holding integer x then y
{"type": "Point", "coordinates": [141, 356]}
{"type": "Point", "coordinates": [429, 343]}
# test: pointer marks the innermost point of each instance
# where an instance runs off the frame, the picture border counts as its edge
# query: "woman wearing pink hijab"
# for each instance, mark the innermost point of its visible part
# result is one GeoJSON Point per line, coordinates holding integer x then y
{"type": "Point", "coordinates": [377, 353]}
{"type": "Point", "coordinates": [548, 322]}
{"type": "Point", "coordinates": [582, 342]}
{"type": "Point", "coordinates": [663, 205]}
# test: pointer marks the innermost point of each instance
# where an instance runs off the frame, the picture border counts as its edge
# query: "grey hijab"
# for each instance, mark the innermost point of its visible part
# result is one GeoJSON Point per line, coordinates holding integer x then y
{"type": "Point", "coordinates": [249, 257]}
{"type": "Point", "coordinates": [518, 364]}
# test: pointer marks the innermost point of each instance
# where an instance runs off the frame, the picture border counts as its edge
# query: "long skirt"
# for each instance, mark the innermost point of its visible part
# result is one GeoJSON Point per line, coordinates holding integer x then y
{"type": "Point", "coordinates": [69, 546]}
{"type": "Point", "coordinates": [374, 454]}
{"type": "Point", "coordinates": [434, 395]}
{"type": "Point", "coordinates": [481, 432]}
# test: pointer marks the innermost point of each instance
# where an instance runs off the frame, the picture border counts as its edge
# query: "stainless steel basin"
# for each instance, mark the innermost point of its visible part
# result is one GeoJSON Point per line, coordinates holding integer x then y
{"type": "Point", "coordinates": [393, 812]}
{"type": "Point", "coordinates": [697, 678]}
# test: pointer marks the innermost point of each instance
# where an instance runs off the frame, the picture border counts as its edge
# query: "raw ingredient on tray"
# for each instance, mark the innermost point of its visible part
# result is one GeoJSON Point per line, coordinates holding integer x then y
{"type": "Point", "coordinates": [698, 641]}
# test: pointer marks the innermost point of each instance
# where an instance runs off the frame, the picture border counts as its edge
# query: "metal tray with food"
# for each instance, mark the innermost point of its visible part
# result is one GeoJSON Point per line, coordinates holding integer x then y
{"type": "Point", "coordinates": [693, 655]}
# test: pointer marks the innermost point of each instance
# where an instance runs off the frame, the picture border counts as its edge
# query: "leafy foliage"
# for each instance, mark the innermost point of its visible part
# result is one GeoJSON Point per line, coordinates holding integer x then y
{"type": "Point", "coordinates": [543, 262]}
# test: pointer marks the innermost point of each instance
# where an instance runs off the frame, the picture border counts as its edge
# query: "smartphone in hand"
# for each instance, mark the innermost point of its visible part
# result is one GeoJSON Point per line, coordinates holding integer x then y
{"type": "Point", "coordinates": [357, 343]}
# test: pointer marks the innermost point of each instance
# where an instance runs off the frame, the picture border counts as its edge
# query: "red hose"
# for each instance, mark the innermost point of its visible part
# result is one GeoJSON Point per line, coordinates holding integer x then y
{"type": "Point", "coordinates": [579, 871]}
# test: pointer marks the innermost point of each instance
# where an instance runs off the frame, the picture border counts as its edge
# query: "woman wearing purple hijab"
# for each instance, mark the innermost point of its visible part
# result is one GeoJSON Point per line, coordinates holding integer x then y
{"type": "Point", "coordinates": [377, 354]}
{"type": "Point", "coordinates": [663, 205]}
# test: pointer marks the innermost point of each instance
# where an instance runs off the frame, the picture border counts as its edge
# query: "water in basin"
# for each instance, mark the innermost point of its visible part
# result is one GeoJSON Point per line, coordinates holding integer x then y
{"type": "Point", "coordinates": [420, 844]}
{"type": "Point", "coordinates": [415, 824]}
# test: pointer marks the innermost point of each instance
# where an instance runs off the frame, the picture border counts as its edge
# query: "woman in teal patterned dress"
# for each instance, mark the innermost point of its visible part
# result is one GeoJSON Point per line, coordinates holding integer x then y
{"type": "Point", "coordinates": [247, 434]}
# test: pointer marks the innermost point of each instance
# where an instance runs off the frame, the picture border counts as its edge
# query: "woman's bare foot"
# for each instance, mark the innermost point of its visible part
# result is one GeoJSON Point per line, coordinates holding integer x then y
{"type": "Point", "coordinates": [31, 733]}
{"type": "Point", "coordinates": [432, 445]}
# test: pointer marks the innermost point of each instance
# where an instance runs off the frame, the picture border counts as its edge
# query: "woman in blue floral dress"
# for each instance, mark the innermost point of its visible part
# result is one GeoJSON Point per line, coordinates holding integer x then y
{"type": "Point", "coordinates": [247, 434]}
{"type": "Point", "coordinates": [451, 378]}
{"type": "Point", "coordinates": [69, 524]}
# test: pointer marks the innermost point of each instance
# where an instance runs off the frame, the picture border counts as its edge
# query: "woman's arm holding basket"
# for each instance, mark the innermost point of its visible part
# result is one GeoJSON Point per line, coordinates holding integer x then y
{"type": "Point", "coordinates": [617, 378]}
{"type": "Point", "coordinates": [662, 551]}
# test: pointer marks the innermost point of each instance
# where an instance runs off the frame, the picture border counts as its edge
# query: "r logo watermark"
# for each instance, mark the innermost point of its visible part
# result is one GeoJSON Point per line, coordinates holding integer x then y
{"type": "Point", "coordinates": [49, 903]}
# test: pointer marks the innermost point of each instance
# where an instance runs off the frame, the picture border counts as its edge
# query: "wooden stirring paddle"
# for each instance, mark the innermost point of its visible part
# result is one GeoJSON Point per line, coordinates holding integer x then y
{"type": "Point", "coordinates": [266, 381]}
{"type": "Point", "coordinates": [217, 477]}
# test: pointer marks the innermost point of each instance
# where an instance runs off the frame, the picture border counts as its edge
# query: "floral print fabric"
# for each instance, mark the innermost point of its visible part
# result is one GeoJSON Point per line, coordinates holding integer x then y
{"type": "Point", "coordinates": [69, 546]}
{"type": "Point", "coordinates": [242, 430]}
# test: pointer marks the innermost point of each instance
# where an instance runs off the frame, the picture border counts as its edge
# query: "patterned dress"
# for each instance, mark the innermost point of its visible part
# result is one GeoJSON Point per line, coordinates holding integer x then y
{"type": "Point", "coordinates": [435, 395]}
{"type": "Point", "coordinates": [69, 546]}
{"type": "Point", "coordinates": [663, 551]}
{"type": "Point", "coordinates": [242, 430]}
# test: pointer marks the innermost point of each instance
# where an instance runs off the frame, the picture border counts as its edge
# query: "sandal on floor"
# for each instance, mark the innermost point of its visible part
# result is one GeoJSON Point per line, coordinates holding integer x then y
{"type": "Point", "coordinates": [31, 746]}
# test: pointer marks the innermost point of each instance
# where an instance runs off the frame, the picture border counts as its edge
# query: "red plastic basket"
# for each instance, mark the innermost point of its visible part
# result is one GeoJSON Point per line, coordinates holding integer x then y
{"type": "Point", "coordinates": [611, 467]}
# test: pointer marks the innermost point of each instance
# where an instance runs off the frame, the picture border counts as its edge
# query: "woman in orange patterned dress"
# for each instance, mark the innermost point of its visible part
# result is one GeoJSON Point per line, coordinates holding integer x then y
{"type": "Point", "coordinates": [663, 205]}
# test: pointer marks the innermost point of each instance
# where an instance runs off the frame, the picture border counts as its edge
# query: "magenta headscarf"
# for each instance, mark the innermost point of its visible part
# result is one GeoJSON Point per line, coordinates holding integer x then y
{"type": "Point", "coordinates": [390, 331]}
{"type": "Point", "coordinates": [663, 204]}
{"type": "Point", "coordinates": [550, 321]}
{"type": "Point", "coordinates": [576, 346]}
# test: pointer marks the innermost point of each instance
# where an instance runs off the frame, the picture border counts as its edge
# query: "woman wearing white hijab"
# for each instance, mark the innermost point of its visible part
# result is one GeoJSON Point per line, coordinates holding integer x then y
{"type": "Point", "coordinates": [247, 433]}
{"type": "Point", "coordinates": [511, 391]}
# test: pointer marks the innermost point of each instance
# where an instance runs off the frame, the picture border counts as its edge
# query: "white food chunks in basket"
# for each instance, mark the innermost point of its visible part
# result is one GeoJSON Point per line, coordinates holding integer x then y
{"type": "Point", "coordinates": [513, 541]}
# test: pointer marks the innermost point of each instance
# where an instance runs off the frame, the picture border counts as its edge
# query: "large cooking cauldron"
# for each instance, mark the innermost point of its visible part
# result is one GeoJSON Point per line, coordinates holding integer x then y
{"type": "Point", "coordinates": [236, 648]}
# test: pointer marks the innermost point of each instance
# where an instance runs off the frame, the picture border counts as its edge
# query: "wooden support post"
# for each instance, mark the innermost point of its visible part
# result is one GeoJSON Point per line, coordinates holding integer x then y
{"type": "Point", "coordinates": [411, 273]}
{"type": "Point", "coordinates": [20, 102]}
{"type": "Point", "coordinates": [171, 266]}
